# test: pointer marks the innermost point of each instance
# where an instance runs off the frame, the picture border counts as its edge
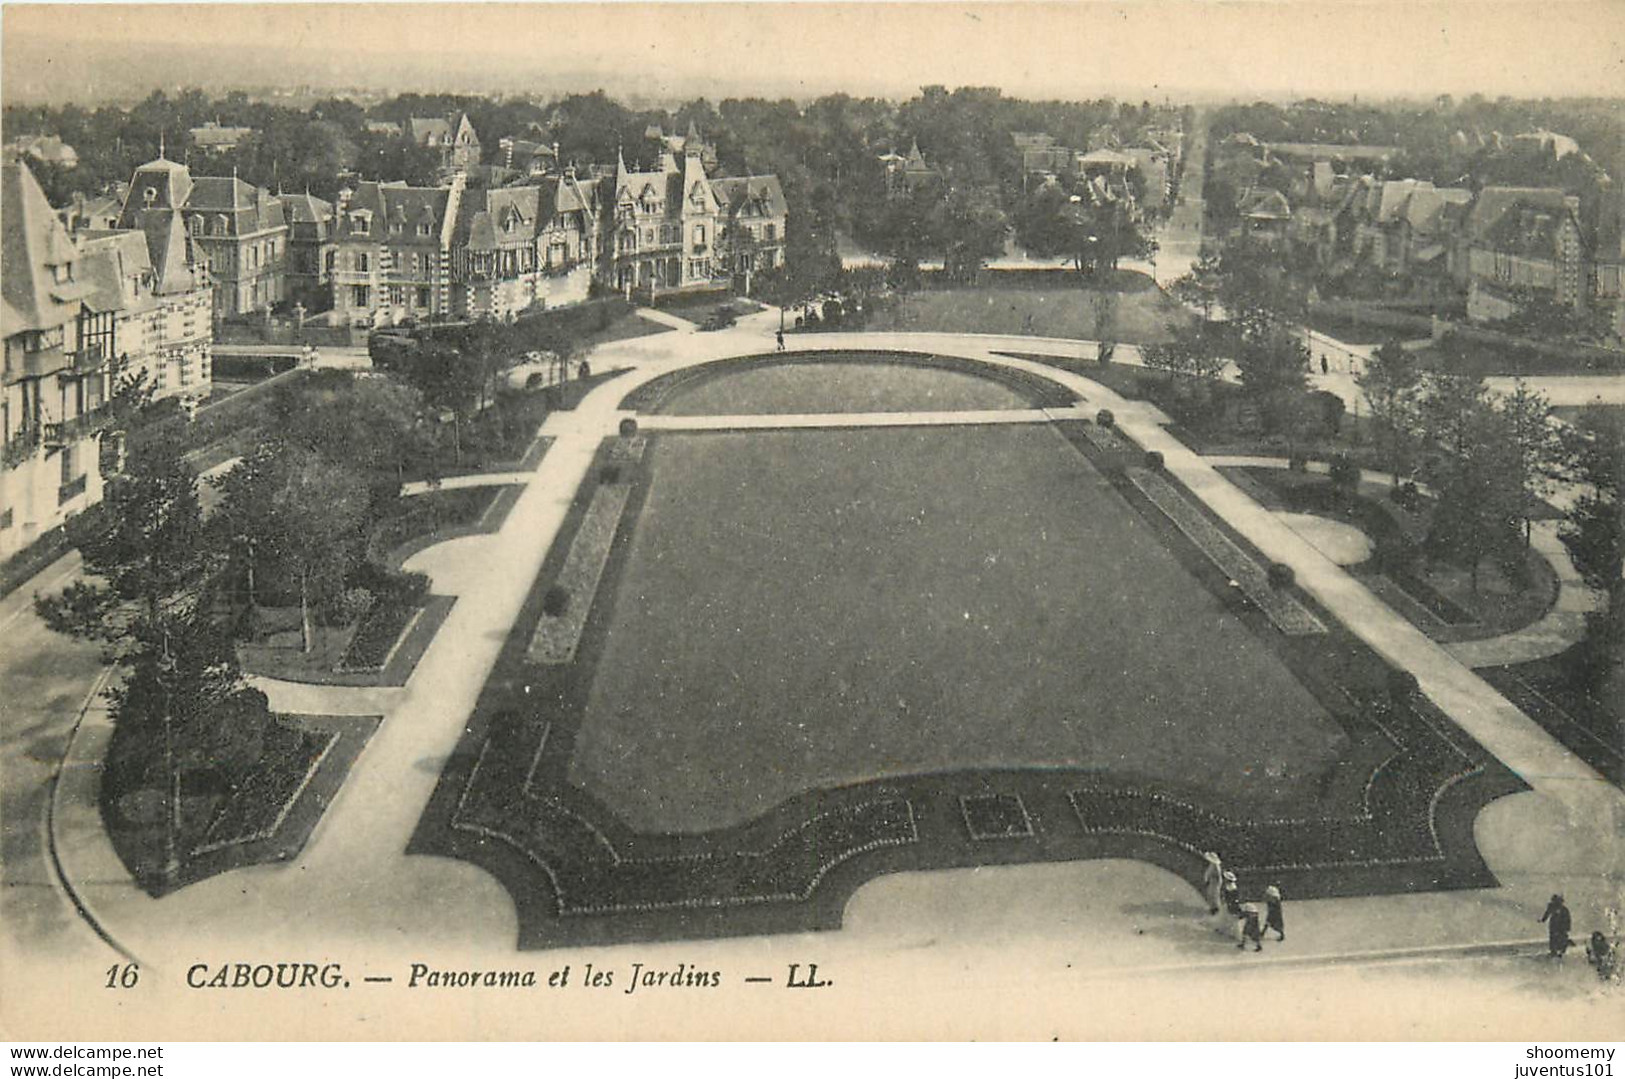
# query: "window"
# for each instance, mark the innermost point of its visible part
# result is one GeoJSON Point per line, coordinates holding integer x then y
{"type": "Point", "coordinates": [397, 295]}
{"type": "Point", "coordinates": [197, 226]}
{"type": "Point", "coordinates": [361, 262]}
{"type": "Point", "coordinates": [330, 262]}
{"type": "Point", "coordinates": [423, 296]}
{"type": "Point", "coordinates": [772, 232]}
{"type": "Point", "coordinates": [424, 228]}
{"type": "Point", "coordinates": [360, 296]}
{"type": "Point", "coordinates": [360, 223]}
{"type": "Point", "coordinates": [699, 234]}
{"type": "Point", "coordinates": [149, 196]}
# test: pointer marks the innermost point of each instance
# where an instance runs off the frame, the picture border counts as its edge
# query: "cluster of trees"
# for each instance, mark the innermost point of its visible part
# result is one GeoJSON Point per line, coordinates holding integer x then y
{"type": "Point", "coordinates": [170, 591]}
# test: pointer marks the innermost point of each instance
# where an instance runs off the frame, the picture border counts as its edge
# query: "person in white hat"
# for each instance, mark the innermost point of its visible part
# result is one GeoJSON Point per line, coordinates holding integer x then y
{"type": "Point", "coordinates": [1232, 904]}
{"type": "Point", "coordinates": [1212, 881]}
{"type": "Point", "coordinates": [1251, 929]}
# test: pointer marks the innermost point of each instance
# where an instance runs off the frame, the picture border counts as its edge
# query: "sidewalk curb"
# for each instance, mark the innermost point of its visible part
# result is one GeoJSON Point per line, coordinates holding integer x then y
{"type": "Point", "coordinates": [1332, 959]}
{"type": "Point", "coordinates": [58, 869]}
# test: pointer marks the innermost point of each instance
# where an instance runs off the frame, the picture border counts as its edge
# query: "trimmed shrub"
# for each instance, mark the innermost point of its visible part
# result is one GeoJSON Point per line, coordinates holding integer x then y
{"type": "Point", "coordinates": [610, 474]}
{"type": "Point", "coordinates": [349, 606]}
{"type": "Point", "coordinates": [1402, 686]}
{"type": "Point", "coordinates": [1345, 473]}
{"type": "Point", "coordinates": [629, 427]}
{"type": "Point", "coordinates": [1281, 575]}
{"type": "Point", "coordinates": [1153, 460]}
{"type": "Point", "coordinates": [1105, 418]}
{"type": "Point", "coordinates": [555, 601]}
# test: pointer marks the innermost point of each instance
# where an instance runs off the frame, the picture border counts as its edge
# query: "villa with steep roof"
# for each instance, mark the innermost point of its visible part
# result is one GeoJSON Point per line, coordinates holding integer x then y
{"type": "Point", "coordinates": [520, 247]}
{"type": "Point", "coordinates": [1523, 241]}
{"type": "Point", "coordinates": [56, 368]}
{"type": "Point", "coordinates": [452, 136]}
{"type": "Point", "coordinates": [660, 228]}
{"type": "Point", "coordinates": [237, 229]}
{"type": "Point", "coordinates": [392, 252]}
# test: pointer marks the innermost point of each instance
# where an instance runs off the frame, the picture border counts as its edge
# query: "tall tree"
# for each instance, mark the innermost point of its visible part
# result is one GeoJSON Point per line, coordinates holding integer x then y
{"type": "Point", "coordinates": [1391, 382]}
{"type": "Point", "coordinates": [150, 577]}
{"type": "Point", "coordinates": [302, 517]}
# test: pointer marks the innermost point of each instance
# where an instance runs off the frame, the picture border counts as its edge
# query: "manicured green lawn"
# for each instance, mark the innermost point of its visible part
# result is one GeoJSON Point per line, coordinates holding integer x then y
{"type": "Point", "coordinates": [813, 608]}
{"type": "Point", "coordinates": [1142, 315]}
{"type": "Point", "coordinates": [844, 386]}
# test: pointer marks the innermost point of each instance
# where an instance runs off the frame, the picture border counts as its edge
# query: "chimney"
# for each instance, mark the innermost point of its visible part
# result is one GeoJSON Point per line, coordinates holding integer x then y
{"type": "Point", "coordinates": [345, 194]}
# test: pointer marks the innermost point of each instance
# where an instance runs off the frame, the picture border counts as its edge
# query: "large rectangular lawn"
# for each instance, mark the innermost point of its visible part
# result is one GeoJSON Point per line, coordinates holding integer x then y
{"type": "Point", "coordinates": [805, 609]}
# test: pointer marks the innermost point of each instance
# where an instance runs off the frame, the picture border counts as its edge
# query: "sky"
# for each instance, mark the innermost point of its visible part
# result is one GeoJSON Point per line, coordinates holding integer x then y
{"type": "Point", "coordinates": [1373, 48]}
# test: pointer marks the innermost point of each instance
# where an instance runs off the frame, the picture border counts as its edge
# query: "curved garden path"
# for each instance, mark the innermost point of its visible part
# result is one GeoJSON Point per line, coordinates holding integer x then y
{"type": "Point", "coordinates": [352, 893]}
{"type": "Point", "coordinates": [1556, 631]}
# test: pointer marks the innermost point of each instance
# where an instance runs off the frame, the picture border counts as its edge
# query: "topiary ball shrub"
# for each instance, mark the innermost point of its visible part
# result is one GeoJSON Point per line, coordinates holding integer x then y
{"type": "Point", "coordinates": [1153, 460]}
{"type": "Point", "coordinates": [1105, 418]}
{"type": "Point", "coordinates": [629, 427]}
{"type": "Point", "coordinates": [1345, 473]}
{"type": "Point", "coordinates": [1402, 686]}
{"type": "Point", "coordinates": [1281, 575]}
{"type": "Point", "coordinates": [610, 474]}
{"type": "Point", "coordinates": [555, 601]}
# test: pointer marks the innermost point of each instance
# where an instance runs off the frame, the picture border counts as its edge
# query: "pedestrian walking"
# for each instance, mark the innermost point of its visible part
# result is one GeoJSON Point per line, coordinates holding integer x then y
{"type": "Point", "coordinates": [1602, 956]}
{"type": "Point", "coordinates": [1274, 920]}
{"type": "Point", "coordinates": [1251, 928]}
{"type": "Point", "coordinates": [1558, 923]}
{"type": "Point", "coordinates": [780, 337]}
{"type": "Point", "coordinates": [1232, 905]}
{"type": "Point", "coordinates": [1212, 880]}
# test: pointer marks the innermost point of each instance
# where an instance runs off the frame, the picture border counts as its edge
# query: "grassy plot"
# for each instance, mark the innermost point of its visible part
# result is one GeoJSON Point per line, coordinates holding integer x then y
{"type": "Point", "coordinates": [809, 609]}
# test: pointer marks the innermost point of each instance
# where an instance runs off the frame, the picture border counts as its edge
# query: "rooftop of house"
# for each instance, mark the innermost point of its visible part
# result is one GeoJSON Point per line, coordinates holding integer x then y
{"type": "Point", "coordinates": [1494, 202]}
{"type": "Point", "coordinates": [1266, 204]}
{"type": "Point", "coordinates": [38, 259]}
{"type": "Point", "coordinates": [751, 196]}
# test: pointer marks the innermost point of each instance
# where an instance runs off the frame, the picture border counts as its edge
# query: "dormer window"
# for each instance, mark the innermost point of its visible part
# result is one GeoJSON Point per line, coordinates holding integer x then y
{"type": "Point", "coordinates": [149, 196]}
{"type": "Point", "coordinates": [424, 228]}
{"type": "Point", "coordinates": [360, 223]}
{"type": "Point", "coordinates": [197, 226]}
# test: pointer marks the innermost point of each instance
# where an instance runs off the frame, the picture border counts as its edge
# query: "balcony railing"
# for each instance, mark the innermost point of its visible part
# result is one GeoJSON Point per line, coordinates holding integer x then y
{"type": "Point", "coordinates": [71, 490]}
{"type": "Point", "coordinates": [67, 432]}
{"type": "Point", "coordinates": [23, 445]}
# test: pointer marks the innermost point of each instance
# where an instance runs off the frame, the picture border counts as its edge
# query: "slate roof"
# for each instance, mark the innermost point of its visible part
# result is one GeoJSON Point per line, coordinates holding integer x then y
{"type": "Point", "coordinates": [1494, 202]}
{"type": "Point", "coordinates": [396, 203]}
{"type": "Point", "coordinates": [112, 264]}
{"type": "Point", "coordinates": [33, 241]}
{"type": "Point", "coordinates": [751, 196]}
{"type": "Point", "coordinates": [431, 130]}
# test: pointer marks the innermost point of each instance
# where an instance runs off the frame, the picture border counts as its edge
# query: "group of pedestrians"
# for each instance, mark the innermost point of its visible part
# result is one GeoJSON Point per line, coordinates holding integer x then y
{"type": "Point", "coordinates": [1241, 920]}
{"type": "Point", "coordinates": [1601, 953]}
{"type": "Point", "coordinates": [1245, 923]}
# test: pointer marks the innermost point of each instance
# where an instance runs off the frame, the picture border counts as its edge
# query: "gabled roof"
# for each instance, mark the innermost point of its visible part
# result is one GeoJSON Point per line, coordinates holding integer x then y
{"type": "Point", "coordinates": [34, 243]}
{"type": "Point", "coordinates": [751, 196]}
{"type": "Point", "coordinates": [382, 127]}
{"type": "Point", "coordinates": [1267, 204]}
{"type": "Point", "coordinates": [429, 130]}
{"type": "Point", "coordinates": [486, 219]}
{"type": "Point", "coordinates": [389, 203]}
